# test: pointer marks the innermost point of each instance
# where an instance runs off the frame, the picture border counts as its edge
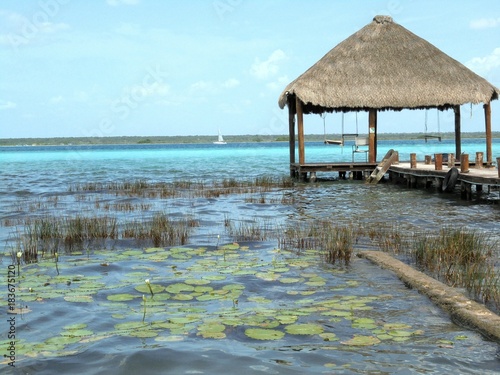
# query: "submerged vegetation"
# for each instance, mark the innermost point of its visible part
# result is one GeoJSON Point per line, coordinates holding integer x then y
{"type": "Point", "coordinates": [457, 256]}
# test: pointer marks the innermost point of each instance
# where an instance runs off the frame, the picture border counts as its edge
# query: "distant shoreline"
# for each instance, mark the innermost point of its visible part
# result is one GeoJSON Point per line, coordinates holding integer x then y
{"type": "Point", "coordinates": [76, 141]}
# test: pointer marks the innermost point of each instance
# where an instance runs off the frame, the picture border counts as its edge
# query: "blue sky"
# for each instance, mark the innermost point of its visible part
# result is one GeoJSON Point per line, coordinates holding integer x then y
{"type": "Point", "coordinates": [159, 68]}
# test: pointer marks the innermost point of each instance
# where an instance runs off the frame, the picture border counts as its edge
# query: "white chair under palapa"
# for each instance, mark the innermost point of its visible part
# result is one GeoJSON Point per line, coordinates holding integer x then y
{"type": "Point", "coordinates": [360, 146]}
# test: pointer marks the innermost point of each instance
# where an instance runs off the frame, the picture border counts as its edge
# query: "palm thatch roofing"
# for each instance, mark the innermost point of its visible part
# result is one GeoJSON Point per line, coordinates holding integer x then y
{"type": "Point", "coordinates": [384, 66]}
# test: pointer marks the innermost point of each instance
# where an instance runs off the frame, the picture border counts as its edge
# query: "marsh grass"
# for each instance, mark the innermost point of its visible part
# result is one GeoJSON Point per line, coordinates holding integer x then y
{"type": "Point", "coordinates": [335, 241]}
{"type": "Point", "coordinates": [52, 234]}
{"type": "Point", "coordinates": [461, 258]}
{"type": "Point", "coordinates": [208, 189]}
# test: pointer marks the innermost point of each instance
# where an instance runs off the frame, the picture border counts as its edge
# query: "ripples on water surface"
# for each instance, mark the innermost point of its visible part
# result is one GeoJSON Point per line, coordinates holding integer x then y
{"type": "Point", "coordinates": [32, 177]}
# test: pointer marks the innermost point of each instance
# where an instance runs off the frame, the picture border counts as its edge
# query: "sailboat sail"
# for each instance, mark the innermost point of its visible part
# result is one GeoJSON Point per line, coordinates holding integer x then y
{"type": "Point", "coordinates": [220, 140]}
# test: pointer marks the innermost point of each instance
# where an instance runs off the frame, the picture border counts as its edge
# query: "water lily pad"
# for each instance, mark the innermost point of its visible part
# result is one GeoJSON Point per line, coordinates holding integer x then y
{"type": "Point", "coordinates": [179, 287]}
{"type": "Point", "coordinates": [215, 277]}
{"type": "Point", "coordinates": [182, 297]}
{"type": "Point", "coordinates": [396, 326]}
{"type": "Point", "coordinates": [132, 253]}
{"type": "Point", "coordinates": [143, 333]}
{"type": "Point", "coordinates": [264, 334]}
{"type": "Point", "coordinates": [127, 326]}
{"type": "Point", "coordinates": [121, 297]}
{"type": "Point", "coordinates": [287, 319]}
{"type": "Point", "coordinates": [77, 332]}
{"type": "Point", "coordinates": [400, 333]}
{"type": "Point", "coordinates": [75, 326]}
{"type": "Point", "coordinates": [304, 329]}
{"type": "Point", "coordinates": [290, 280]}
{"type": "Point", "coordinates": [364, 323]}
{"type": "Point", "coordinates": [362, 341]}
{"type": "Point", "coordinates": [328, 336]}
{"type": "Point", "coordinates": [143, 288]}
{"type": "Point", "coordinates": [197, 281]}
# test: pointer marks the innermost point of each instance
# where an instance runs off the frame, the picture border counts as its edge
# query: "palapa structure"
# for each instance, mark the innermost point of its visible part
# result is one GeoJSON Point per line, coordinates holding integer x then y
{"type": "Point", "coordinates": [382, 67]}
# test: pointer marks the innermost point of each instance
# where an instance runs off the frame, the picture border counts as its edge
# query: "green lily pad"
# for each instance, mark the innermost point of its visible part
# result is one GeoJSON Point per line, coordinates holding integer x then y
{"type": "Point", "coordinates": [400, 333]}
{"type": "Point", "coordinates": [143, 288]}
{"type": "Point", "coordinates": [75, 326]}
{"type": "Point", "coordinates": [290, 280]}
{"type": "Point", "coordinates": [196, 282]}
{"type": "Point", "coordinates": [304, 329]}
{"type": "Point", "coordinates": [179, 287]}
{"type": "Point", "coordinates": [143, 333]}
{"type": "Point", "coordinates": [364, 323]}
{"type": "Point", "coordinates": [182, 297]}
{"type": "Point", "coordinates": [264, 334]}
{"type": "Point", "coordinates": [121, 297]}
{"type": "Point", "coordinates": [77, 332]}
{"type": "Point", "coordinates": [362, 341]}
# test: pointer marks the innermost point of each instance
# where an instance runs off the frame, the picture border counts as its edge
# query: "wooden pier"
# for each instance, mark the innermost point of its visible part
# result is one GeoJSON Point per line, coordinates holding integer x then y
{"type": "Point", "coordinates": [307, 171]}
{"type": "Point", "coordinates": [468, 178]}
{"type": "Point", "coordinates": [471, 179]}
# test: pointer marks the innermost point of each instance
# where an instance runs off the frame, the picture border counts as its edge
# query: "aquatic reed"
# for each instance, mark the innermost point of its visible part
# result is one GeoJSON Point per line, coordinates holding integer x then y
{"type": "Point", "coordinates": [461, 258]}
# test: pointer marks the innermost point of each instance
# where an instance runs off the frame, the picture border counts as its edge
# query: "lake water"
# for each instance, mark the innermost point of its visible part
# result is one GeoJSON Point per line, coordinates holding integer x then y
{"type": "Point", "coordinates": [85, 313]}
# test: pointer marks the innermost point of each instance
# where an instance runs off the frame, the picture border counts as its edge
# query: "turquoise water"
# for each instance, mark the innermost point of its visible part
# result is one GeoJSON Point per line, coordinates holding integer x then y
{"type": "Point", "coordinates": [32, 177]}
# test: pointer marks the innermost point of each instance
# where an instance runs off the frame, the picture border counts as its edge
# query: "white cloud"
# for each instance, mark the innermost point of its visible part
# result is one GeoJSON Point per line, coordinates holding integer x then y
{"type": "Point", "coordinates": [7, 104]}
{"type": "Point", "coordinates": [484, 65]}
{"type": "Point", "coordinates": [484, 23]}
{"type": "Point", "coordinates": [267, 68]}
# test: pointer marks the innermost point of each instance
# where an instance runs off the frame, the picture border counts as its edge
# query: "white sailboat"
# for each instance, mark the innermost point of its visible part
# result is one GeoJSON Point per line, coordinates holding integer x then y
{"type": "Point", "coordinates": [220, 140]}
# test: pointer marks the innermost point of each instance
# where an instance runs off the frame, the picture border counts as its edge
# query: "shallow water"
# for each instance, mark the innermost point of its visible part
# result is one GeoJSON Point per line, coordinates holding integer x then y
{"type": "Point", "coordinates": [31, 178]}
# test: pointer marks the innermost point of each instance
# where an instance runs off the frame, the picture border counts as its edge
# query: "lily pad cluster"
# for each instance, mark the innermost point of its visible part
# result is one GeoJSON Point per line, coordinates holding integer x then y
{"type": "Point", "coordinates": [247, 292]}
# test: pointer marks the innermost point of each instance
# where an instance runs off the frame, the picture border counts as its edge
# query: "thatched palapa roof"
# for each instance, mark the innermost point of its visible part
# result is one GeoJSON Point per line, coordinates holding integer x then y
{"type": "Point", "coordinates": [385, 66]}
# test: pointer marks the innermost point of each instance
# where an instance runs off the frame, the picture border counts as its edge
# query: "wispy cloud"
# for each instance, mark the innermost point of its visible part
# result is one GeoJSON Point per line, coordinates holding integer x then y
{"type": "Point", "coordinates": [7, 104]}
{"type": "Point", "coordinates": [269, 67]}
{"type": "Point", "coordinates": [484, 65]}
{"type": "Point", "coordinates": [485, 23]}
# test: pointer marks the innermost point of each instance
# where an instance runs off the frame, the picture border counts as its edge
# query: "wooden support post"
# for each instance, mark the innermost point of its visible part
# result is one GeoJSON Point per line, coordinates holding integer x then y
{"type": "Point", "coordinates": [487, 122]}
{"type": "Point", "coordinates": [372, 136]}
{"type": "Point", "coordinates": [498, 166]}
{"type": "Point", "coordinates": [458, 134]}
{"type": "Point", "coordinates": [300, 125]}
{"type": "Point", "coordinates": [451, 160]}
{"type": "Point", "coordinates": [438, 162]}
{"type": "Point", "coordinates": [291, 133]}
{"type": "Point", "coordinates": [464, 163]}
{"type": "Point", "coordinates": [413, 160]}
{"type": "Point", "coordinates": [466, 190]}
{"type": "Point", "coordinates": [428, 159]}
{"type": "Point", "coordinates": [479, 160]}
